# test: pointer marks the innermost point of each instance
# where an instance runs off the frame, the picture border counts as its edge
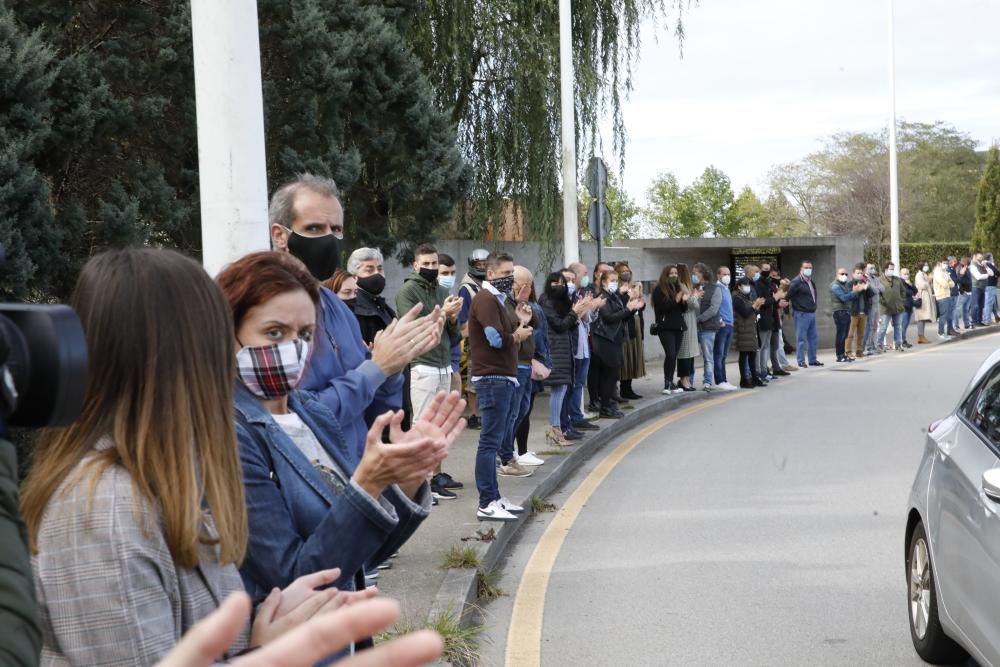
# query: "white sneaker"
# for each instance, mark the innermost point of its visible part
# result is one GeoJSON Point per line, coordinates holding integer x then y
{"type": "Point", "coordinates": [709, 387]}
{"type": "Point", "coordinates": [494, 512]}
{"type": "Point", "coordinates": [725, 386]}
{"type": "Point", "coordinates": [530, 459]}
{"type": "Point", "coordinates": [510, 507]}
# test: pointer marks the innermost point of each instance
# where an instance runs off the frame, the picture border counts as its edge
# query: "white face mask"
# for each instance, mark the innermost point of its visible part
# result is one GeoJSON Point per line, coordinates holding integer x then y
{"type": "Point", "coordinates": [726, 279]}
{"type": "Point", "coordinates": [745, 289]}
{"type": "Point", "coordinates": [842, 278]}
{"type": "Point", "coordinates": [613, 286]}
{"type": "Point", "coordinates": [695, 280]}
{"type": "Point", "coordinates": [446, 282]}
{"type": "Point", "coordinates": [571, 288]}
{"type": "Point", "coordinates": [890, 273]}
{"type": "Point", "coordinates": [807, 272]}
{"type": "Point", "coordinates": [925, 269]}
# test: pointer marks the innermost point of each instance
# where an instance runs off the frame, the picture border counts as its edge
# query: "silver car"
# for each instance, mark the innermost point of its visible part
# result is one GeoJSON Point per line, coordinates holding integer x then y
{"type": "Point", "coordinates": [953, 530]}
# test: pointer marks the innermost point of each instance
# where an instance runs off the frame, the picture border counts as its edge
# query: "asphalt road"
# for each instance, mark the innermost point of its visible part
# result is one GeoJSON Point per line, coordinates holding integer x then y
{"type": "Point", "coordinates": [760, 531]}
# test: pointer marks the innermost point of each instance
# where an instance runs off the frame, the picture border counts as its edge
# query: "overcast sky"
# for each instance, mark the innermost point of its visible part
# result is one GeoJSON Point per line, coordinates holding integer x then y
{"type": "Point", "coordinates": [763, 81]}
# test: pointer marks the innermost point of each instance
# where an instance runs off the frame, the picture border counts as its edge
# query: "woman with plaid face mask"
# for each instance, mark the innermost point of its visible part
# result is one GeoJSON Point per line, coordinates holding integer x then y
{"type": "Point", "coordinates": [309, 500]}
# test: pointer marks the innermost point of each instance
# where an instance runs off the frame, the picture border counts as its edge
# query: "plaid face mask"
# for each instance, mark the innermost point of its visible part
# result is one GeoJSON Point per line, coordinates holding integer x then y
{"type": "Point", "coordinates": [272, 371]}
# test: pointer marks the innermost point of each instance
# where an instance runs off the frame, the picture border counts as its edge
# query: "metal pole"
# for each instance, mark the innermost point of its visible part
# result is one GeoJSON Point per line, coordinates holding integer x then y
{"type": "Point", "coordinates": [893, 168]}
{"type": "Point", "coordinates": [571, 233]}
{"type": "Point", "coordinates": [230, 107]}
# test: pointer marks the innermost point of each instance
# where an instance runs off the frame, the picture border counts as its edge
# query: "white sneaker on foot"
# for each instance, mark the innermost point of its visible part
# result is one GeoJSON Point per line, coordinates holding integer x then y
{"type": "Point", "coordinates": [513, 469]}
{"type": "Point", "coordinates": [494, 512]}
{"type": "Point", "coordinates": [510, 507]}
{"type": "Point", "coordinates": [530, 459]}
{"type": "Point", "coordinates": [725, 386]}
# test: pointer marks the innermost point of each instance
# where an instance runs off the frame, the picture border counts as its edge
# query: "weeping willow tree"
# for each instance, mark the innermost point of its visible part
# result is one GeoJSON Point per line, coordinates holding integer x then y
{"type": "Point", "coordinates": [495, 68]}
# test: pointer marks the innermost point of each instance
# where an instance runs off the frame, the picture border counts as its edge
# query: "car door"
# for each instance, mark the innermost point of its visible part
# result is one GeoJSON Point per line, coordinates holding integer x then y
{"type": "Point", "coordinates": [967, 548]}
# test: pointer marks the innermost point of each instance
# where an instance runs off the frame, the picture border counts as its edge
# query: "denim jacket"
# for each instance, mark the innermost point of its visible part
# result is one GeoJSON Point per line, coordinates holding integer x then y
{"type": "Point", "coordinates": [298, 525]}
{"type": "Point", "coordinates": [345, 378]}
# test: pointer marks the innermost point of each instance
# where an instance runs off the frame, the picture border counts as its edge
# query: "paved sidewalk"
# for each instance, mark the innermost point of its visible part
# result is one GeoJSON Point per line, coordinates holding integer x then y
{"type": "Point", "coordinates": [417, 579]}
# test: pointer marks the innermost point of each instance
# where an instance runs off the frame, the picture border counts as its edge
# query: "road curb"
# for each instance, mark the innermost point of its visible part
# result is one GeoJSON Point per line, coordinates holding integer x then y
{"type": "Point", "coordinates": [458, 594]}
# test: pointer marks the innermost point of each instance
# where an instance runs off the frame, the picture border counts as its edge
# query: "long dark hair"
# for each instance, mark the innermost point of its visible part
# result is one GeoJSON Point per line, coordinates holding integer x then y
{"type": "Point", "coordinates": [684, 276]}
{"type": "Point", "coordinates": [559, 301]}
{"type": "Point", "coordinates": [669, 291]}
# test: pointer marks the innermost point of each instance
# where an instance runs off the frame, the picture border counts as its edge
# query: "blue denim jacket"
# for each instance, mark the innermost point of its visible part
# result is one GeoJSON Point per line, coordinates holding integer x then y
{"type": "Point", "coordinates": [345, 378]}
{"type": "Point", "coordinates": [298, 525]}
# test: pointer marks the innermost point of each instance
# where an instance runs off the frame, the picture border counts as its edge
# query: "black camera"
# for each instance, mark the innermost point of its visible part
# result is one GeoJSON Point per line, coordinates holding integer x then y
{"type": "Point", "coordinates": [43, 365]}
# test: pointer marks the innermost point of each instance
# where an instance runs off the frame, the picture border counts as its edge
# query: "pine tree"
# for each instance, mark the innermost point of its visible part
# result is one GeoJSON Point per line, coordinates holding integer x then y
{"type": "Point", "coordinates": [986, 235]}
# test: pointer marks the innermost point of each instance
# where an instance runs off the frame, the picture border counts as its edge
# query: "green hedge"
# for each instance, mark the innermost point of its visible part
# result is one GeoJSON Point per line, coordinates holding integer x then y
{"type": "Point", "coordinates": [911, 254]}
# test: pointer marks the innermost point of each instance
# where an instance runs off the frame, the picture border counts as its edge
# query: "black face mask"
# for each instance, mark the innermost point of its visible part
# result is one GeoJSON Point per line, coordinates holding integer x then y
{"type": "Point", "coordinates": [559, 292]}
{"type": "Point", "coordinates": [430, 275]}
{"type": "Point", "coordinates": [320, 254]}
{"type": "Point", "coordinates": [350, 303]}
{"type": "Point", "coordinates": [503, 285]}
{"type": "Point", "coordinates": [373, 284]}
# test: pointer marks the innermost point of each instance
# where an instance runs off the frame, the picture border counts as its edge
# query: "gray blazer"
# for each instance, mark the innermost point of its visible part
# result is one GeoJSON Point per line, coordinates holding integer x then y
{"type": "Point", "coordinates": [109, 591]}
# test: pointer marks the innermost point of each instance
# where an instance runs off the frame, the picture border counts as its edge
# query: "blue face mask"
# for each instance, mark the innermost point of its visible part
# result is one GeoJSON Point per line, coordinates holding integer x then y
{"type": "Point", "coordinates": [446, 282]}
{"type": "Point", "coordinates": [585, 281]}
{"type": "Point", "coordinates": [572, 289]}
{"type": "Point", "coordinates": [695, 280]}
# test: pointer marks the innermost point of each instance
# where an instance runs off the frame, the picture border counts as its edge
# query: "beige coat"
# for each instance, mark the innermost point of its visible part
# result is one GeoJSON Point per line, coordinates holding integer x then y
{"type": "Point", "coordinates": [942, 283]}
{"type": "Point", "coordinates": [927, 312]}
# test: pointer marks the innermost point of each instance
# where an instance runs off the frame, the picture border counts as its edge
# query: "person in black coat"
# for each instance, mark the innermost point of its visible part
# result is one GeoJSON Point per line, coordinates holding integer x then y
{"type": "Point", "coordinates": [562, 322]}
{"type": "Point", "coordinates": [669, 304]}
{"type": "Point", "coordinates": [607, 334]}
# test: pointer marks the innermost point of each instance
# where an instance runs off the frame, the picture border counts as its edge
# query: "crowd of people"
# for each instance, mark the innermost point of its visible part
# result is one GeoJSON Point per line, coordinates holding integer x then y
{"type": "Point", "coordinates": [274, 436]}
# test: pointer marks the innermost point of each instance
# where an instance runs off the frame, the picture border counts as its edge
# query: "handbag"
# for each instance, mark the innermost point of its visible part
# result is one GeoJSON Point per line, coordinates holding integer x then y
{"type": "Point", "coordinates": [918, 302]}
{"type": "Point", "coordinates": [539, 371]}
{"type": "Point", "coordinates": [654, 329]}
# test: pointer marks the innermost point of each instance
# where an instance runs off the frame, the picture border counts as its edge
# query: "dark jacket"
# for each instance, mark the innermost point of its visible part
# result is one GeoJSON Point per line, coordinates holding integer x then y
{"type": "Point", "coordinates": [893, 297]}
{"type": "Point", "coordinates": [417, 289]}
{"type": "Point", "coordinates": [955, 279]}
{"type": "Point", "coordinates": [708, 318]}
{"type": "Point", "coordinates": [744, 323]}
{"type": "Point", "coordinates": [669, 314]}
{"type": "Point", "coordinates": [800, 296]}
{"type": "Point", "coordinates": [526, 349]}
{"type": "Point", "coordinates": [910, 291]}
{"type": "Point", "coordinates": [22, 636]}
{"type": "Point", "coordinates": [863, 304]}
{"type": "Point", "coordinates": [373, 313]}
{"type": "Point", "coordinates": [762, 288]}
{"type": "Point", "coordinates": [298, 524]}
{"type": "Point", "coordinates": [608, 331]}
{"type": "Point", "coordinates": [562, 328]}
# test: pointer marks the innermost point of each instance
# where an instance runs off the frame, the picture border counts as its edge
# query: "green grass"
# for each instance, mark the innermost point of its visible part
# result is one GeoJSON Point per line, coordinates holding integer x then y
{"type": "Point", "coordinates": [487, 583]}
{"type": "Point", "coordinates": [460, 557]}
{"type": "Point", "coordinates": [461, 644]}
{"type": "Point", "coordinates": [539, 505]}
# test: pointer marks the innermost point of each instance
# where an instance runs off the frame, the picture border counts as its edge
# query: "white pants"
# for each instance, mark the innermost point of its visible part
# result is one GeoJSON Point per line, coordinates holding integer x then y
{"type": "Point", "coordinates": [425, 383]}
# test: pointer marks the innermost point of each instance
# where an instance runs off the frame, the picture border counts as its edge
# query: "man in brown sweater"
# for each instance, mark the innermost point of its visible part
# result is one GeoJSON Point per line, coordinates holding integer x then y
{"type": "Point", "coordinates": [494, 336]}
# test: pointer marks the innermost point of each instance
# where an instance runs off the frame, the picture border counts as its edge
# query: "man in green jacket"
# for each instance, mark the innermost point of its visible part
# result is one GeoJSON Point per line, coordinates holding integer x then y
{"type": "Point", "coordinates": [20, 635]}
{"type": "Point", "coordinates": [893, 303]}
{"type": "Point", "coordinates": [431, 372]}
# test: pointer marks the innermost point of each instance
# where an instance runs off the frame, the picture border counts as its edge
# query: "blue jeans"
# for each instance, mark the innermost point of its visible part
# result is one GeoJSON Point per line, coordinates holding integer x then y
{"type": "Point", "coordinates": [720, 350]}
{"type": "Point", "coordinates": [897, 329]}
{"type": "Point", "coordinates": [522, 406]}
{"type": "Point", "coordinates": [976, 307]}
{"type": "Point", "coordinates": [574, 399]}
{"type": "Point", "coordinates": [989, 306]}
{"type": "Point", "coordinates": [707, 341]}
{"type": "Point", "coordinates": [871, 326]}
{"type": "Point", "coordinates": [497, 400]}
{"type": "Point", "coordinates": [842, 320]}
{"type": "Point", "coordinates": [907, 316]}
{"type": "Point", "coordinates": [805, 336]}
{"type": "Point", "coordinates": [944, 307]}
{"type": "Point", "coordinates": [961, 313]}
{"type": "Point", "coordinates": [557, 395]}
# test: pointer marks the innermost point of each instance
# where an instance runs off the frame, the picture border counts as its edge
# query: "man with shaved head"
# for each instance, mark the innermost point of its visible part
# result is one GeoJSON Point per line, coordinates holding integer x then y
{"type": "Point", "coordinates": [843, 296]}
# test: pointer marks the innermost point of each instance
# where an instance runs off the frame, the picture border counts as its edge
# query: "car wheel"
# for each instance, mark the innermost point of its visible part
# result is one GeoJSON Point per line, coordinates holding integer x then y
{"type": "Point", "coordinates": [929, 639]}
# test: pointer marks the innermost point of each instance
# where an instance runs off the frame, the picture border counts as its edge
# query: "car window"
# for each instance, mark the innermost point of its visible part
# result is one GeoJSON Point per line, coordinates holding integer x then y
{"type": "Point", "coordinates": [982, 408]}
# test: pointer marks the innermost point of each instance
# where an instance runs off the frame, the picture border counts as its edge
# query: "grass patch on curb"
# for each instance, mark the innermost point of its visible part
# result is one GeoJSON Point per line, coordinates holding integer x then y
{"type": "Point", "coordinates": [461, 644]}
{"type": "Point", "coordinates": [555, 452]}
{"type": "Point", "coordinates": [539, 505]}
{"type": "Point", "coordinates": [460, 557]}
{"type": "Point", "coordinates": [488, 585]}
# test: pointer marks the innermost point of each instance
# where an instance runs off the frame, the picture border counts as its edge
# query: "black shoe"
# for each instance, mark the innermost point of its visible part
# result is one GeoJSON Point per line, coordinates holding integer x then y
{"type": "Point", "coordinates": [815, 363]}
{"type": "Point", "coordinates": [434, 501]}
{"type": "Point", "coordinates": [746, 384]}
{"type": "Point", "coordinates": [780, 373]}
{"type": "Point", "coordinates": [841, 360]}
{"type": "Point", "coordinates": [688, 388]}
{"type": "Point", "coordinates": [620, 400]}
{"type": "Point", "coordinates": [593, 407]}
{"type": "Point", "coordinates": [757, 382]}
{"type": "Point", "coordinates": [442, 493]}
{"type": "Point", "coordinates": [474, 422]}
{"type": "Point", "coordinates": [803, 365]}
{"type": "Point", "coordinates": [585, 426]}
{"type": "Point", "coordinates": [571, 434]}
{"type": "Point", "coordinates": [906, 345]}
{"type": "Point", "coordinates": [445, 481]}
{"type": "Point", "coordinates": [631, 395]}
{"type": "Point", "coordinates": [609, 413]}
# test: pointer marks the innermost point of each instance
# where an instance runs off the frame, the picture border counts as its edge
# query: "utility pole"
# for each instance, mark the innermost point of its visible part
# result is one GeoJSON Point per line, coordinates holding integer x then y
{"type": "Point", "coordinates": [230, 106]}
{"type": "Point", "coordinates": [571, 225]}
{"type": "Point", "coordinates": [893, 168]}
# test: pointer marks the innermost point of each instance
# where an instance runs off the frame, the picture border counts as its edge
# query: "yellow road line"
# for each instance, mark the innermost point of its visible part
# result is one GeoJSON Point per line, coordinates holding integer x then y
{"type": "Point", "coordinates": [524, 637]}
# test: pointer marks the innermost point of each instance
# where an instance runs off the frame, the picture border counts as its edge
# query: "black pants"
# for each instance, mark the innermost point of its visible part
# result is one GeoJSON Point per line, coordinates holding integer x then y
{"type": "Point", "coordinates": [607, 379]}
{"type": "Point", "coordinates": [521, 434]}
{"type": "Point", "coordinates": [748, 366]}
{"type": "Point", "coordinates": [842, 319]}
{"type": "Point", "coordinates": [671, 342]}
{"type": "Point", "coordinates": [685, 367]}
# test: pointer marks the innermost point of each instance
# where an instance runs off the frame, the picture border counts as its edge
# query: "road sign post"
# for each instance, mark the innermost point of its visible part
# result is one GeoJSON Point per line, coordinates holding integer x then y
{"type": "Point", "coordinates": [598, 217]}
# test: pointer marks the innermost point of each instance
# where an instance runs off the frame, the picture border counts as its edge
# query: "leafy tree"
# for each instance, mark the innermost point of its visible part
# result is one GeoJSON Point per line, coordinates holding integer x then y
{"type": "Point", "coordinates": [748, 216]}
{"type": "Point", "coordinates": [714, 194]}
{"type": "Point", "coordinates": [986, 235]}
{"type": "Point", "coordinates": [495, 69]}
{"type": "Point", "coordinates": [782, 218]}
{"type": "Point", "coordinates": [674, 211]}
{"type": "Point", "coordinates": [624, 211]}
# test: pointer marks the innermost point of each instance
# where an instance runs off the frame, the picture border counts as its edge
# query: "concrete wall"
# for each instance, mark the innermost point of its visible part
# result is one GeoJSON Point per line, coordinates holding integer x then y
{"type": "Point", "coordinates": [648, 257]}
